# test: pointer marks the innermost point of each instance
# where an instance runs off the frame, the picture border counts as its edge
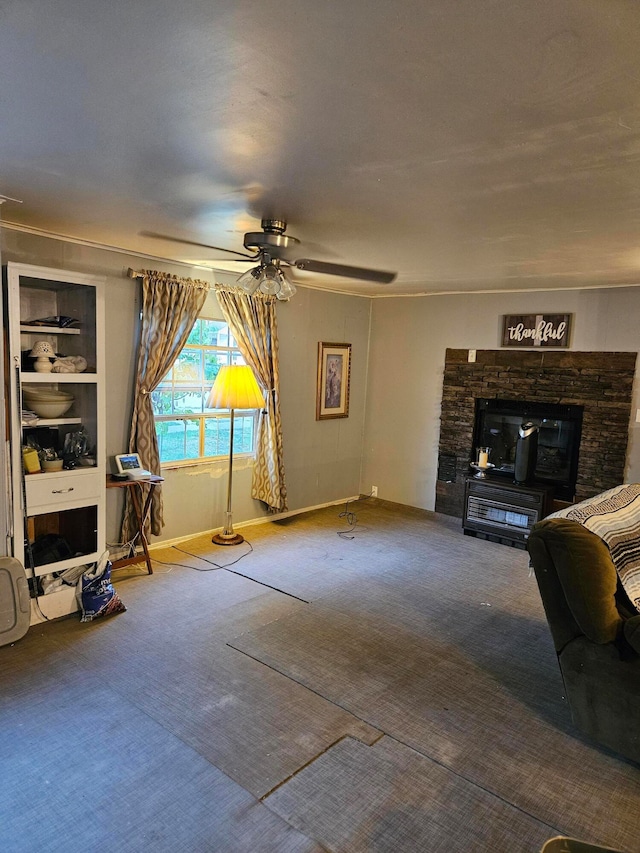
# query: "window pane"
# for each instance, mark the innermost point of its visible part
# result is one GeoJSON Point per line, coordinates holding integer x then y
{"type": "Point", "coordinates": [243, 433]}
{"type": "Point", "coordinates": [196, 333]}
{"type": "Point", "coordinates": [213, 361]}
{"type": "Point", "coordinates": [216, 437]}
{"type": "Point", "coordinates": [217, 431]}
{"type": "Point", "coordinates": [187, 401]}
{"type": "Point", "coordinates": [236, 358]}
{"type": "Point", "coordinates": [215, 333]}
{"type": "Point", "coordinates": [161, 401]}
{"type": "Point", "coordinates": [188, 366]}
{"type": "Point", "coordinates": [179, 439]}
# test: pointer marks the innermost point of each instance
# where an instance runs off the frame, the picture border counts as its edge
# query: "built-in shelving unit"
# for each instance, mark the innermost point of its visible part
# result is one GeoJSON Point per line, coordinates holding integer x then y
{"type": "Point", "coordinates": [58, 517]}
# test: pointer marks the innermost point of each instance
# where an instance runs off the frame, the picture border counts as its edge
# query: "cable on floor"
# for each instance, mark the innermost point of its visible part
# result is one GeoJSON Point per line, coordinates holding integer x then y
{"type": "Point", "coordinates": [118, 550]}
{"type": "Point", "coordinates": [227, 565]}
{"type": "Point", "coordinates": [212, 562]}
{"type": "Point", "coordinates": [351, 517]}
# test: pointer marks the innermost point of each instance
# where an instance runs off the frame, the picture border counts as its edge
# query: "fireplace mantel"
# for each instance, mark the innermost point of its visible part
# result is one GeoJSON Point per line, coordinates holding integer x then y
{"type": "Point", "coordinates": [600, 381]}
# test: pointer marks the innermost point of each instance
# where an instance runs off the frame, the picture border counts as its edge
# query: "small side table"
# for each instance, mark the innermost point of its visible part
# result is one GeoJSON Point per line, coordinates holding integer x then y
{"type": "Point", "coordinates": [141, 506]}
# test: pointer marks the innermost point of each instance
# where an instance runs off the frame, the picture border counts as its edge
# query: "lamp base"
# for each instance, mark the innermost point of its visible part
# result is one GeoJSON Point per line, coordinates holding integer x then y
{"type": "Point", "coordinates": [221, 539]}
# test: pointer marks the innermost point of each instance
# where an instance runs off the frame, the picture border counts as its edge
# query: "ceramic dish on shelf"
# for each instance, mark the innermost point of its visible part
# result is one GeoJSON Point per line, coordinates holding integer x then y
{"type": "Point", "coordinates": [33, 402]}
{"type": "Point", "coordinates": [45, 394]}
{"type": "Point", "coordinates": [50, 409]}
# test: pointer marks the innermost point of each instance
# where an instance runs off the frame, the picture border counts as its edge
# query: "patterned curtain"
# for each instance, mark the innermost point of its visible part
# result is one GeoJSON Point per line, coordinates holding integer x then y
{"type": "Point", "coordinates": [170, 307]}
{"type": "Point", "coordinates": [252, 320]}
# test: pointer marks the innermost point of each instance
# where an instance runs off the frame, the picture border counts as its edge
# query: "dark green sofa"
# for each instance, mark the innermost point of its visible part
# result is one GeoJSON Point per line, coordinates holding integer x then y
{"type": "Point", "coordinates": [595, 629]}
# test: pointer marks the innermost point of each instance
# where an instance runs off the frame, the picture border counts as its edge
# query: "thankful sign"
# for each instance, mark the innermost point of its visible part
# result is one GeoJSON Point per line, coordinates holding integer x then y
{"type": "Point", "coordinates": [536, 330]}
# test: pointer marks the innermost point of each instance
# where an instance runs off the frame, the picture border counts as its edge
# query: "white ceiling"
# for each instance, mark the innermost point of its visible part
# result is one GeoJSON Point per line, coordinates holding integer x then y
{"type": "Point", "coordinates": [468, 144]}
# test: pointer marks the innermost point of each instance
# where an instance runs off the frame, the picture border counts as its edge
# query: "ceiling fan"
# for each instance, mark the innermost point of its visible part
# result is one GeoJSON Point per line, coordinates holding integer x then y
{"type": "Point", "coordinates": [275, 252]}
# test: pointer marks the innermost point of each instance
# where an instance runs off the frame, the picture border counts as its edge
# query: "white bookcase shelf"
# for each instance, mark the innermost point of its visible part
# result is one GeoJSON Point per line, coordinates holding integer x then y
{"type": "Point", "coordinates": [63, 522]}
{"type": "Point", "coordinates": [47, 330]}
{"type": "Point", "coordinates": [52, 422]}
{"type": "Point", "coordinates": [55, 378]}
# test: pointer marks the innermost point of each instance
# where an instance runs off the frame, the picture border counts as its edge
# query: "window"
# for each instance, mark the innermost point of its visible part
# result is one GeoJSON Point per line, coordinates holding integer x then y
{"type": "Point", "coordinates": [187, 431]}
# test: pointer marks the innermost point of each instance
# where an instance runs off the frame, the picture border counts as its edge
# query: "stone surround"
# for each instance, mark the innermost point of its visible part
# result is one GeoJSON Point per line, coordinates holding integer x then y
{"type": "Point", "coordinates": [602, 382]}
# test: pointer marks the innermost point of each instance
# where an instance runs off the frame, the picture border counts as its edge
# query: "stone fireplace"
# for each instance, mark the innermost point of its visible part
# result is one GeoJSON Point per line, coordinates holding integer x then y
{"type": "Point", "coordinates": [601, 382]}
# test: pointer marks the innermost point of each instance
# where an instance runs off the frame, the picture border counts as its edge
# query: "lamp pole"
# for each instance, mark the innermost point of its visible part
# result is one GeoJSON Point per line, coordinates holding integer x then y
{"type": "Point", "coordinates": [228, 535]}
{"type": "Point", "coordinates": [228, 528]}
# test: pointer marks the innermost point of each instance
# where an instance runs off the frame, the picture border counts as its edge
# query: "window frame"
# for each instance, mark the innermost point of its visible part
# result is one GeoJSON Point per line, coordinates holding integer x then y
{"type": "Point", "coordinates": [207, 415]}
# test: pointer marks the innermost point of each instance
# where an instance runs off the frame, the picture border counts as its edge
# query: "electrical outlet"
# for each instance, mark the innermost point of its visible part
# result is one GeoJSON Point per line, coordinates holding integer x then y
{"type": "Point", "coordinates": [374, 491]}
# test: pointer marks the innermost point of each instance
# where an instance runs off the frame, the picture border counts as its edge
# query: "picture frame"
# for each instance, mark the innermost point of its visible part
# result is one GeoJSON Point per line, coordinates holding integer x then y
{"type": "Point", "coordinates": [334, 375]}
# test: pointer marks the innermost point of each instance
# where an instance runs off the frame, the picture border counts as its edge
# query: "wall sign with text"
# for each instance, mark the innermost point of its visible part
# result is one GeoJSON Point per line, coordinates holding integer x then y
{"type": "Point", "coordinates": [536, 330]}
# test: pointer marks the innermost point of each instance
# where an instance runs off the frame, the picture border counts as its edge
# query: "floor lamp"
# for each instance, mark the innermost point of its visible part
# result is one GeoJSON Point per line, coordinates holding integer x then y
{"type": "Point", "coordinates": [235, 387]}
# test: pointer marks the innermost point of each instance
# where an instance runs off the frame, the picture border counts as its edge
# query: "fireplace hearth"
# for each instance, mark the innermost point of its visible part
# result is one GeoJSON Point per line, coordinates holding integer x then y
{"type": "Point", "coordinates": [596, 385]}
{"type": "Point", "coordinates": [558, 440]}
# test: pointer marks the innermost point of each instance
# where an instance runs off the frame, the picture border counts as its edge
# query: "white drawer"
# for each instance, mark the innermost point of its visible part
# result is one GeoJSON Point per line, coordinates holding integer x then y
{"type": "Point", "coordinates": [44, 490]}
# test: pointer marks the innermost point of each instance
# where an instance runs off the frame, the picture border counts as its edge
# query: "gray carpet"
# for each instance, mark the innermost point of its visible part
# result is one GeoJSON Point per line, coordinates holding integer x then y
{"type": "Point", "coordinates": [448, 706]}
{"type": "Point", "coordinates": [173, 663]}
{"type": "Point", "coordinates": [443, 646]}
{"type": "Point", "coordinates": [388, 797]}
{"type": "Point", "coordinates": [84, 770]}
{"type": "Point", "coordinates": [394, 691]}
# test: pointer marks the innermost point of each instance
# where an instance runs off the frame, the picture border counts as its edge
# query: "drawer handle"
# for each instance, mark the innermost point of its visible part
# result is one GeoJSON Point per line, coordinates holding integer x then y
{"type": "Point", "coordinates": [61, 491]}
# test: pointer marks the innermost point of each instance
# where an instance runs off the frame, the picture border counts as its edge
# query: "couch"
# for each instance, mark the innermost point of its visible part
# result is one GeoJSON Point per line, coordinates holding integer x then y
{"type": "Point", "coordinates": [595, 630]}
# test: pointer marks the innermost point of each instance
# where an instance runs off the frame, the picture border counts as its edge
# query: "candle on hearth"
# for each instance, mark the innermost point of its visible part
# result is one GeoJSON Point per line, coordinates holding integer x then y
{"type": "Point", "coordinates": [483, 459]}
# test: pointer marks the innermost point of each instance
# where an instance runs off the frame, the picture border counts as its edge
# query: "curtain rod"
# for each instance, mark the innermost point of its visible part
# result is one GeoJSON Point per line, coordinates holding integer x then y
{"type": "Point", "coordinates": [196, 282]}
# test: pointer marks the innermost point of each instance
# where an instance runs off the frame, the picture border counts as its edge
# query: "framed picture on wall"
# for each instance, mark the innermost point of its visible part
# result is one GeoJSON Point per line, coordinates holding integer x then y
{"type": "Point", "coordinates": [334, 372]}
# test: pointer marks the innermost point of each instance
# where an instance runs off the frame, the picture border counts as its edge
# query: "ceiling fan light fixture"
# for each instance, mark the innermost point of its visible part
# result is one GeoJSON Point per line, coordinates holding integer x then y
{"type": "Point", "coordinates": [269, 278]}
{"type": "Point", "coordinates": [287, 287]}
{"type": "Point", "coordinates": [249, 281]}
{"type": "Point", "coordinates": [272, 246]}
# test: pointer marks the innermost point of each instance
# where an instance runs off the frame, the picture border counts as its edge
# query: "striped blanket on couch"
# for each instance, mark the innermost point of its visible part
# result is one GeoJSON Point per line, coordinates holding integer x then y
{"type": "Point", "coordinates": [614, 516]}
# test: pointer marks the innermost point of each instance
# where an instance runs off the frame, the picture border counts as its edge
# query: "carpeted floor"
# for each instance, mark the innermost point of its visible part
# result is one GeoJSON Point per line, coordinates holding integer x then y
{"type": "Point", "coordinates": [392, 689]}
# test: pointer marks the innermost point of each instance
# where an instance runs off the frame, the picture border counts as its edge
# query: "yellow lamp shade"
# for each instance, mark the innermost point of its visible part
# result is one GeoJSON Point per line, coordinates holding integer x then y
{"type": "Point", "coordinates": [235, 388]}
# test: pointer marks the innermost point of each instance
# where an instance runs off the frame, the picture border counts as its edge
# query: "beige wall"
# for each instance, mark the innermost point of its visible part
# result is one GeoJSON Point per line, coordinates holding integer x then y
{"type": "Point", "coordinates": [408, 341]}
{"type": "Point", "coordinates": [322, 459]}
{"type": "Point", "coordinates": [390, 438]}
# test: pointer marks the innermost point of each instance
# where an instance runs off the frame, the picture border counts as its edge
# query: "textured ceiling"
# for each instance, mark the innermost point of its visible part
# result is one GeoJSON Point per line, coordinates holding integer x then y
{"type": "Point", "coordinates": [469, 146]}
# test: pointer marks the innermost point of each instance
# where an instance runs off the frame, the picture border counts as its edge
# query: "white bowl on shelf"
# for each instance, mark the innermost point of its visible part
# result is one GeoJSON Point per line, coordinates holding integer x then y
{"type": "Point", "coordinates": [50, 409]}
{"type": "Point", "coordinates": [48, 396]}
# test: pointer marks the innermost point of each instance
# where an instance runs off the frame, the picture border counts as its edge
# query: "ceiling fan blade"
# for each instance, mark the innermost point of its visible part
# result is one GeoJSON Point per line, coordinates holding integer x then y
{"type": "Point", "coordinates": [157, 236]}
{"type": "Point", "coordinates": [379, 276]}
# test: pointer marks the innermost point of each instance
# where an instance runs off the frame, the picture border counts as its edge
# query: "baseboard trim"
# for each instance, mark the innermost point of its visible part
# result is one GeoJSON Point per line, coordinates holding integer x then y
{"type": "Point", "coordinates": [406, 508]}
{"type": "Point", "coordinates": [167, 543]}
